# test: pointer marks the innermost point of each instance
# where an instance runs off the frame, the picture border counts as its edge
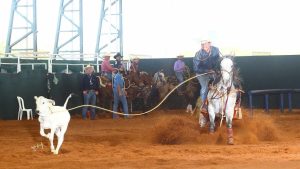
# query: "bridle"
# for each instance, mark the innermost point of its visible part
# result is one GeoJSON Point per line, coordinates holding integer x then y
{"type": "Point", "coordinates": [225, 88]}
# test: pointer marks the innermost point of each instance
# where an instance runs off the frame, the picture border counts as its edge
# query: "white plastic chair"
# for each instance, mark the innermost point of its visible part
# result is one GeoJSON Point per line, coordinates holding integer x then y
{"type": "Point", "coordinates": [22, 108]}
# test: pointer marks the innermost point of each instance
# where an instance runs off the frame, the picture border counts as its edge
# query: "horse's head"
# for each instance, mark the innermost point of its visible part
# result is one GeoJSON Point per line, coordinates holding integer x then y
{"type": "Point", "coordinates": [145, 78]}
{"type": "Point", "coordinates": [159, 78]}
{"type": "Point", "coordinates": [226, 66]}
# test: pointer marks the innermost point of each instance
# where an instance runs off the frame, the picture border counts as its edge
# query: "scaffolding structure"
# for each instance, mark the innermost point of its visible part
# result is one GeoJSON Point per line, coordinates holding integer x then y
{"type": "Point", "coordinates": [68, 43]}
{"type": "Point", "coordinates": [22, 28]}
{"type": "Point", "coordinates": [69, 31]}
{"type": "Point", "coordinates": [110, 31]}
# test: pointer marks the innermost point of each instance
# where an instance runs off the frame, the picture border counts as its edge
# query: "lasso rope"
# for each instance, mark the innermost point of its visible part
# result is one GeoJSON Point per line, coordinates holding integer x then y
{"type": "Point", "coordinates": [139, 114]}
{"type": "Point", "coordinates": [41, 145]}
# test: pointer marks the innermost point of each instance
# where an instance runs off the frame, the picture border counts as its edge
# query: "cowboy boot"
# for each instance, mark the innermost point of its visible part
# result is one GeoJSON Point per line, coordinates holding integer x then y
{"type": "Point", "coordinates": [229, 136]}
{"type": "Point", "coordinates": [204, 108]}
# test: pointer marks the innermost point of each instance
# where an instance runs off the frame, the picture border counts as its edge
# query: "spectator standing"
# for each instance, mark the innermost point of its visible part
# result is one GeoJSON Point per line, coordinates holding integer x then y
{"type": "Point", "coordinates": [90, 86]}
{"type": "Point", "coordinates": [119, 93]}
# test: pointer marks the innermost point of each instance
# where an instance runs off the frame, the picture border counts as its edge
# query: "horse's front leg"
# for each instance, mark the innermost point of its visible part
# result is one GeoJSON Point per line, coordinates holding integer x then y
{"type": "Point", "coordinates": [229, 116]}
{"type": "Point", "coordinates": [211, 112]}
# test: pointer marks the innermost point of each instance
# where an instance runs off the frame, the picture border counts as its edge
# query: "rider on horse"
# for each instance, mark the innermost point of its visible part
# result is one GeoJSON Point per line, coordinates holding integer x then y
{"type": "Point", "coordinates": [206, 61]}
{"type": "Point", "coordinates": [134, 70]}
{"type": "Point", "coordinates": [106, 68]}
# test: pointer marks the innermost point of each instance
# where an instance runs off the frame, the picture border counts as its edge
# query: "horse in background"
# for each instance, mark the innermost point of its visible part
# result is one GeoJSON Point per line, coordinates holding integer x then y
{"type": "Point", "coordinates": [222, 97]}
{"type": "Point", "coordinates": [190, 92]}
{"type": "Point", "coordinates": [105, 96]}
{"type": "Point", "coordinates": [161, 86]}
{"type": "Point", "coordinates": [139, 88]}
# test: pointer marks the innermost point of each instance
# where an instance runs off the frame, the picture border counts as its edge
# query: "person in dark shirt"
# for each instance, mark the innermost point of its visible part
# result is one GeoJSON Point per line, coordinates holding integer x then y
{"type": "Point", "coordinates": [205, 61]}
{"type": "Point", "coordinates": [90, 86]}
{"type": "Point", "coordinates": [118, 63]}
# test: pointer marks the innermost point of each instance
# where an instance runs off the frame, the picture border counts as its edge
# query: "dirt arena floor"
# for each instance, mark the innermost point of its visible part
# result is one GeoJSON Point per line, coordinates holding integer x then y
{"type": "Point", "coordinates": [163, 139]}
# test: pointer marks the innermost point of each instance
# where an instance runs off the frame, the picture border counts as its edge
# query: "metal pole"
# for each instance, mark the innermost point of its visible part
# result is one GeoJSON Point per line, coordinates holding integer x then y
{"type": "Point", "coordinates": [55, 50]}
{"type": "Point", "coordinates": [121, 26]}
{"type": "Point", "coordinates": [281, 102]}
{"type": "Point", "coordinates": [34, 27]}
{"type": "Point", "coordinates": [97, 64]}
{"type": "Point", "coordinates": [81, 29]}
{"type": "Point", "coordinates": [290, 101]}
{"type": "Point", "coordinates": [18, 65]}
{"type": "Point", "coordinates": [11, 20]}
{"type": "Point", "coordinates": [50, 64]}
{"type": "Point", "coordinates": [102, 14]}
{"type": "Point", "coordinates": [250, 104]}
{"type": "Point", "coordinates": [267, 102]}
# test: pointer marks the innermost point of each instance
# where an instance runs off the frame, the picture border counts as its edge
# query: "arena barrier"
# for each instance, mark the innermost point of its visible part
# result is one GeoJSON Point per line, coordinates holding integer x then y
{"type": "Point", "coordinates": [48, 61]}
{"type": "Point", "coordinates": [268, 92]}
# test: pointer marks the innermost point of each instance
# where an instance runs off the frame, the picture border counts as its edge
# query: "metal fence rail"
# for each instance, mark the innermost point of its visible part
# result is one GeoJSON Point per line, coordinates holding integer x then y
{"type": "Point", "coordinates": [31, 58]}
{"type": "Point", "coordinates": [267, 93]}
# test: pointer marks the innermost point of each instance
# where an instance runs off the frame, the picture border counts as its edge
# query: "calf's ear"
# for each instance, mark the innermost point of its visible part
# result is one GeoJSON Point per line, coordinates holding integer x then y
{"type": "Point", "coordinates": [51, 102]}
{"type": "Point", "coordinates": [35, 97]}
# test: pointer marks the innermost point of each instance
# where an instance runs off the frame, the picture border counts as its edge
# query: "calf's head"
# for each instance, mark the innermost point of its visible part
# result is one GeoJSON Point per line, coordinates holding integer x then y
{"type": "Point", "coordinates": [43, 104]}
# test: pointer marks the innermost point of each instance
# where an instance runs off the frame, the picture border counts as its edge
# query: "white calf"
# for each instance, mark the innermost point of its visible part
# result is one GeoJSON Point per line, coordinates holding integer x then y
{"type": "Point", "coordinates": [55, 118]}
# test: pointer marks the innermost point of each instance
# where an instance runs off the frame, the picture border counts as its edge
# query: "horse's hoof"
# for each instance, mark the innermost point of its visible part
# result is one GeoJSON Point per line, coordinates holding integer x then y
{"type": "Point", "coordinates": [230, 141]}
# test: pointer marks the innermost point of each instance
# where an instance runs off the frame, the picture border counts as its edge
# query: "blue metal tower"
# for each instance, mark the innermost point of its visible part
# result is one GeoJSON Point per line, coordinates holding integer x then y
{"type": "Point", "coordinates": [69, 32]}
{"type": "Point", "coordinates": [110, 31]}
{"type": "Point", "coordinates": [24, 30]}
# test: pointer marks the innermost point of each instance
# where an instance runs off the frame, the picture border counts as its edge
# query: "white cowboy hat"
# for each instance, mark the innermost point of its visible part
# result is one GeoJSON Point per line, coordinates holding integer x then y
{"type": "Point", "coordinates": [88, 66]}
{"type": "Point", "coordinates": [106, 55]}
{"type": "Point", "coordinates": [180, 55]}
{"type": "Point", "coordinates": [205, 39]}
{"type": "Point", "coordinates": [135, 58]}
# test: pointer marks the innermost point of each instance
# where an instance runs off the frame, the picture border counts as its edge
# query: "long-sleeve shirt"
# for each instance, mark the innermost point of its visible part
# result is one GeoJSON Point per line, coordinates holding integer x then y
{"type": "Point", "coordinates": [118, 81]}
{"type": "Point", "coordinates": [179, 66]}
{"type": "Point", "coordinates": [203, 61]}
{"type": "Point", "coordinates": [118, 64]}
{"type": "Point", "coordinates": [89, 82]}
{"type": "Point", "coordinates": [106, 67]}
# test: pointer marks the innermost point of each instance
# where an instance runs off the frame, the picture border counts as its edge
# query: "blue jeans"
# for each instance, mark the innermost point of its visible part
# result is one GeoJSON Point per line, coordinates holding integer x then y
{"type": "Point", "coordinates": [118, 98]}
{"type": "Point", "coordinates": [179, 76]}
{"type": "Point", "coordinates": [203, 80]}
{"type": "Point", "coordinates": [89, 98]}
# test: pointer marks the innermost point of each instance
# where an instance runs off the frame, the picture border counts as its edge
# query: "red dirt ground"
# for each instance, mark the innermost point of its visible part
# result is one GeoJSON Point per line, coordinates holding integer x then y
{"type": "Point", "coordinates": [165, 139]}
